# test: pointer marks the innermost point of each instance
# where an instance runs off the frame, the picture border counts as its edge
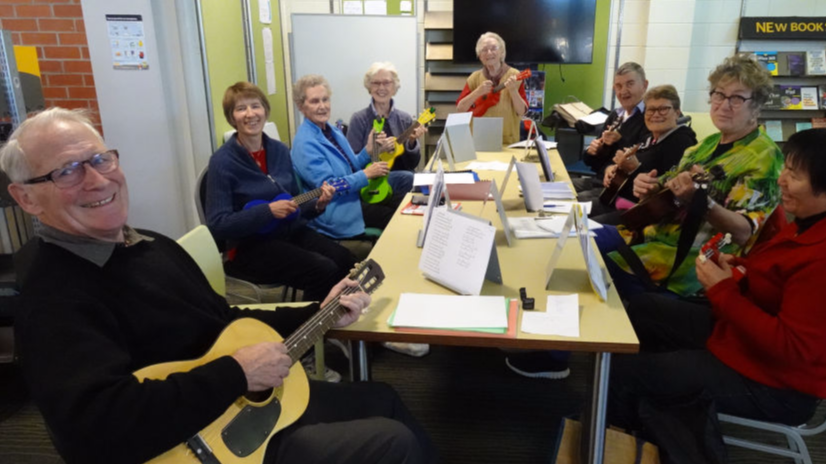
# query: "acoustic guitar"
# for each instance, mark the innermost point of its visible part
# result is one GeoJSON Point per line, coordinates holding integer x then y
{"type": "Point", "coordinates": [241, 434]}
{"type": "Point", "coordinates": [664, 204]}
{"type": "Point", "coordinates": [398, 147]}
{"type": "Point", "coordinates": [341, 185]}
{"type": "Point", "coordinates": [377, 189]}
{"type": "Point", "coordinates": [485, 102]}
{"type": "Point", "coordinates": [621, 177]}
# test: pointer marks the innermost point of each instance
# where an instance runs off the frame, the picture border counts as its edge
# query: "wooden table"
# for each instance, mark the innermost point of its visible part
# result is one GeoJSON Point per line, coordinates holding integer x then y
{"type": "Point", "coordinates": [604, 325]}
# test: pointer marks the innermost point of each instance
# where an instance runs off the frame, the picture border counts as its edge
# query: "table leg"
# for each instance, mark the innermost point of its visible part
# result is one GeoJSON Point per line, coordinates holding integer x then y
{"type": "Point", "coordinates": [359, 365]}
{"type": "Point", "coordinates": [599, 402]}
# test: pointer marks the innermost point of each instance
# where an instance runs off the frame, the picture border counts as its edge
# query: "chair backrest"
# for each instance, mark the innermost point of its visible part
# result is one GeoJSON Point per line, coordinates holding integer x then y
{"type": "Point", "coordinates": [199, 243]}
{"type": "Point", "coordinates": [200, 194]}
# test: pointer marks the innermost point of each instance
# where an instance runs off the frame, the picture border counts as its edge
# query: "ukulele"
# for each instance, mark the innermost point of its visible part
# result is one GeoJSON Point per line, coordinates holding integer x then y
{"type": "Point", "coordinates": [241, 434]}
{"type": "Point", "coordinates": [483, 103]}
{"type": "Point", "coordinates": [377, 189]}
{"type": "Point", "coordinates": [398, 148]}
{"type": "Point", "coordinates": [711, 251]}
{"type": "Point", "coordinates": [664, 204]}
{"type": "Point", "coordinates": [621, 176]}
{"type": "Point", "coordinates": [341, 185]}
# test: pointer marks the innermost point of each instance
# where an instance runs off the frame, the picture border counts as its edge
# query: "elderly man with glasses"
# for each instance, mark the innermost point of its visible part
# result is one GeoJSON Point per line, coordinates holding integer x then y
{"type": "Point", "coordinates": [102, 300]}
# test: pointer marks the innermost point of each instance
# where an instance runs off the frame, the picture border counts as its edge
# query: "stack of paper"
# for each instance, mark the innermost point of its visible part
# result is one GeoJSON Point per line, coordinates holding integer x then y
{"type": "Point", "coordinates": [547, 227]}
{"type": "Point", "coordinates": [561, 317]}
{"type": "Point", "coordinates": [489, 313]}
{"type": "Point", "coordinates": [548, 145]}
{"type": "Point", "coordinates": [557, 191]}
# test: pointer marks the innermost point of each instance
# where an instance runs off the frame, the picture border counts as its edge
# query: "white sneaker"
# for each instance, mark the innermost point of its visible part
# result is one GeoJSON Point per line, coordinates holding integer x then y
{"type": "Point", "coordinates": [417, 350]}
{"type": "Point", "coordinates": [309, 367]}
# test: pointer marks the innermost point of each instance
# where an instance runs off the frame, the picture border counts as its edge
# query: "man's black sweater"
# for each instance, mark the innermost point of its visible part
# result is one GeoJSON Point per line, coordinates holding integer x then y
{"type": "Point", "coordinates": [633, 131]}
{"type": "Point", "coordinates": [87, 328]}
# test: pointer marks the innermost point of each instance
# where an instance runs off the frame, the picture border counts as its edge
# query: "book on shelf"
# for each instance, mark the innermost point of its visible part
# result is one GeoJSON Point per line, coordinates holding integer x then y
{"type": "Point", "coordinates": [821, 90]}
{"type": "Point", "coordinates": [790, 97]}
{"type": "Point", "coordinates": [816, 62]}
{"type": "Point", "coordinates": [801, 126]}
{"type": "Point", "coordinates": [774, 129]}
{"type": "Point", "coordinates": [768, 60]}
{"type": "Point", "coordinates": [809, 98]}
{"type": "Point", "coordinates": [775, 101]}
{"type": "Point", "coordinates": [795, 63]}
{"type": "Point", "coordinates": [818, 123]}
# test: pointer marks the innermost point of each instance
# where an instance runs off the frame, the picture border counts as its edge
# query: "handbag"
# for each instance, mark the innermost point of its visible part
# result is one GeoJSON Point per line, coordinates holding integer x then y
{"type": "Point", "coordinates": [573, 111]}
{"type": "Point", "coordinates": [620, 447]}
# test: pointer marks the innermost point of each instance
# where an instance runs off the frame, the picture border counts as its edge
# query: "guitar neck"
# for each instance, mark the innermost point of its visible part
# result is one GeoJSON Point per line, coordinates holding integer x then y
{"type": "Point", "coordinates": [314, 329]}
{"type": "Point", "coordinates": [406, 134]}
{"type": "Point", "coordinates": [307, 196]}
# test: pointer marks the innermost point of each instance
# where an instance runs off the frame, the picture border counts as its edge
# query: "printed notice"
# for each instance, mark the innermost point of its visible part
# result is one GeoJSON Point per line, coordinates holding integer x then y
{"type": "Point", "coordinates": [128, 42]}
{"type": "Point", "coordinates": [456, 251]}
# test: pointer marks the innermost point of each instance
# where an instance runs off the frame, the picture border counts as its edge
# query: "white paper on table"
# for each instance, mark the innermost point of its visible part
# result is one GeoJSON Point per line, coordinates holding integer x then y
{"type": "Point", "coordinates": [488, 166]}
{"type": "Point", "coordinates": [375, 7]}
{"type": "Point", "coordinates": [406, 6]}
{"type": "Point", "coordinates": [596, 118]}
{"type": "Point", "coordinates": [451, 311]}
{"type": "Point", "coordinates": [561, 317]}
{"type": "Point", "coordinates": [564, 207]}
{"type": "Point", "coordinates": [352, 7]}
{"type": "Point", "coordinates": [457, 251]}
{"type": "Point", "coordinates": [523, 143]}
{"type": "Point", "coordinates": [533, 227]}
{"type": "Point", "coordinates": [427, 178]}
{"type": "Point", "coordinates": [264, 12]}
{"type": "Point", "coordinates": [557, 191]}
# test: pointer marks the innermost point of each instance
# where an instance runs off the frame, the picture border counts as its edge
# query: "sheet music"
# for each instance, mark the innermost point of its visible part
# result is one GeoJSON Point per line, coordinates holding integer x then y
{"type": "Point", "coordinates": [451, 311]}
{"type": "Point", "coordinates": [591, 263]}
{"type": "Point", "coordinates": [456, 251]}
{"type": "Point", "coordinates": [561, 317]}
{"type": "Point", "coordinates": [426, 178]}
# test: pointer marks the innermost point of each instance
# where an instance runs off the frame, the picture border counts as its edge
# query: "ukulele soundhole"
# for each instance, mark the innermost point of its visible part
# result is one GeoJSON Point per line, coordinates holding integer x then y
{"type": "Point", "coordinates": [249, 429]}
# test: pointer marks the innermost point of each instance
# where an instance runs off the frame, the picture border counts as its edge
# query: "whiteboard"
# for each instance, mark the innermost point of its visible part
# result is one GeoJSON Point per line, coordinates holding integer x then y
{"type": "Point", "coordinates": [342, 47]}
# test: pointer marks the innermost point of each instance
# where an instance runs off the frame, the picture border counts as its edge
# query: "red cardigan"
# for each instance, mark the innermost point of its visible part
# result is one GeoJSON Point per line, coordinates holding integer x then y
{"type": "Point", "coordinates": [774, 332]}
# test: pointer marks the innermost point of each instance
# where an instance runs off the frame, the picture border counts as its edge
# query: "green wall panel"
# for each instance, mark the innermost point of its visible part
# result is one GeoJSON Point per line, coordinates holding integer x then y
{"type": "Point", "coordinates": [278, 101]}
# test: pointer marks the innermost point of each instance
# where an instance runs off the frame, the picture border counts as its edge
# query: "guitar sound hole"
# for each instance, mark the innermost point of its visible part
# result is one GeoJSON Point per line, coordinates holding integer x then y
{"type": "Point", "coordinates": [258, 397]}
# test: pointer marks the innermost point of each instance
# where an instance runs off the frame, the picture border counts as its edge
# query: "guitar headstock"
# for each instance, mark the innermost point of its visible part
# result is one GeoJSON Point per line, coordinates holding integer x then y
{"type": "Point", "coordinates": [523, 75]}
{"type": "Point", "coordinates": [340, 184]}
{"type": "Point", "coordinates": [427, 116]}
{"type": "Point", "coordinates": [368, 274]}
{"type": "Point", "coordinates": [378, 124]}
{"type": "Point", "coordinates": [711, 249]}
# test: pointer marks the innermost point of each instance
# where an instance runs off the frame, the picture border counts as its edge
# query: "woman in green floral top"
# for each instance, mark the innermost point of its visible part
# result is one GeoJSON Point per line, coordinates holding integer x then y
{"type": "Point", "coordinates": [738, 204]}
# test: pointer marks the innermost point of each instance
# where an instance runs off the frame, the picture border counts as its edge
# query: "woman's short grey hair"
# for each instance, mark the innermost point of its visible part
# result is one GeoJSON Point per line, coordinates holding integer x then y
{"type": "Point", "coordinates": [491, 35]}
{"type": "Point", "coordinates": [12, 157]}
{"type": "Point", "coordinates": [376, 68]}
{"type": "Point", "coordinates": [630, 66]}
{"type": "Point", "coordinates": [307, 82]}
{"type": "Point", "coordinates": [663, 92]}
{"type": "Point", "coordinates": [746, 71]}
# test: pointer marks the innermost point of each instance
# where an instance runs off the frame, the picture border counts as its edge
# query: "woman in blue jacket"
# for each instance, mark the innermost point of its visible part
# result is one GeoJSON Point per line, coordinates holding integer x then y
{"type": "Point", "coordinates": [269, 238]}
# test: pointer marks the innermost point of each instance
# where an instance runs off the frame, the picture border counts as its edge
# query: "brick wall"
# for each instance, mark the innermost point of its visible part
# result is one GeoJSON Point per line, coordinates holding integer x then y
{"type": "Point", "coordinates": [56, 28]}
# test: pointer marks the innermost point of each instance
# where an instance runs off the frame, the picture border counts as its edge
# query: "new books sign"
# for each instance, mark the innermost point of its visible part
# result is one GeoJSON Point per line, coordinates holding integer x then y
{"type": "Point", "coordinates": [783, 27]}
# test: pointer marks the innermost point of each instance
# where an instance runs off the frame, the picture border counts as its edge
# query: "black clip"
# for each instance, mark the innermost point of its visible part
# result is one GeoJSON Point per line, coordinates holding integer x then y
{"type": "Point", "coordinates": [527, 303]}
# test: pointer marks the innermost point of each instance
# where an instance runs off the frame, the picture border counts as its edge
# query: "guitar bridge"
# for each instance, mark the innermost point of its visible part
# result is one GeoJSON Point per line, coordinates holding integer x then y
{"type": "Point", "coordinates": [202, 450]}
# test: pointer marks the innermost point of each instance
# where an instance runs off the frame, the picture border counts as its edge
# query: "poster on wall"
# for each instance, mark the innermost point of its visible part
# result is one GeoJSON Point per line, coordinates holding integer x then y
{"type": "Point", "coordinates": [128, 42]}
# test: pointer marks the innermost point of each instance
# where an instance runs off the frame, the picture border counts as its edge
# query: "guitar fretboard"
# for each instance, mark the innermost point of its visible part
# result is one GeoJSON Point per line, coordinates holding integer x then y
{"type": "Point", "coordinates": [307, 196]}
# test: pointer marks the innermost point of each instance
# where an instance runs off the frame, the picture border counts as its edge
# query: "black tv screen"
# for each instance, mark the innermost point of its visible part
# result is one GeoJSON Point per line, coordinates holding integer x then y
{"type": "Point", "coordinates": [535, 31]}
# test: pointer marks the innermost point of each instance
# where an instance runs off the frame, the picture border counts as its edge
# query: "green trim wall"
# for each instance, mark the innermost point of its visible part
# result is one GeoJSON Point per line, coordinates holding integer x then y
{"type": "Point", "coordinates": [226, 56]}
{"type": "Point", "coordinates": [278, 101]}
{"type": "Point", "coordinates": [585, 81]}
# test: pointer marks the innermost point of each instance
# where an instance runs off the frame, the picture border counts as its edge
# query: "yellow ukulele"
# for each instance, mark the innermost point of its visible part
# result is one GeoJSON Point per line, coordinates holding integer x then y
{"type": "Point", "coordinates": [241, 433]}
{"type": "Point", "coordinates": [390, 156]}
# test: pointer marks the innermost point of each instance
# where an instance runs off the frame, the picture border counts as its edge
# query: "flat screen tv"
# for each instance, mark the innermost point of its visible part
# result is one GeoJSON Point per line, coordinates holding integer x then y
{"type": "Point", "coordinates": [535, 31]}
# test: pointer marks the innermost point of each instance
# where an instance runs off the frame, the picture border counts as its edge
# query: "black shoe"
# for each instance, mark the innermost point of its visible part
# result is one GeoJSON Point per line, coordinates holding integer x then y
{"type": "Point", "coordinates": [538, 364]}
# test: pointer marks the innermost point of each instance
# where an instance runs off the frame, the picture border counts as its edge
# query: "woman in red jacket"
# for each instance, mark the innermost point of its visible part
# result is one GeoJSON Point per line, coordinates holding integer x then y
{"type": "Point", "coordinates": [758, 350]}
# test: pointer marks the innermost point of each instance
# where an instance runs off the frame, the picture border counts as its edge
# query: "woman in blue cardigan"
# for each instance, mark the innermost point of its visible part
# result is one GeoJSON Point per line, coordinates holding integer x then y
{"type": "Point", "coordinates": [269, 237]}
{"type": "Point", "coordinates": [321, 153]}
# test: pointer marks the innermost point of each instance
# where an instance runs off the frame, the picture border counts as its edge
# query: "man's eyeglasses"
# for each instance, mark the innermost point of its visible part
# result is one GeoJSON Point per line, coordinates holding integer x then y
{"type": "Point", "coordinates": [661, 110]}
{"type": "Point", "coordinates": [378, 84]}
{"type": "Point", "coordinates": [73, 173]}
{"type": "Point", "coordinates": [736, 101]}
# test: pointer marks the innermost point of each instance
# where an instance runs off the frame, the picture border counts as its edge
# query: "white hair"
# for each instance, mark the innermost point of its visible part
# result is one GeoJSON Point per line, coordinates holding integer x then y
{"type": "Point", "coordinates": [377, 67]}
{"type": "Point", "coordinates": [13, 160]}
{"type": "Point", "coordinates": [491, 35]}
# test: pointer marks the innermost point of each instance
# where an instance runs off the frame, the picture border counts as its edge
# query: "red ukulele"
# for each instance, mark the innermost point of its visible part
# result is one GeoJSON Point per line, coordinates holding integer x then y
{"type": "Point", "coordinates": [711, 251]}
{"type": "Point", "coordinates": [483, 103]}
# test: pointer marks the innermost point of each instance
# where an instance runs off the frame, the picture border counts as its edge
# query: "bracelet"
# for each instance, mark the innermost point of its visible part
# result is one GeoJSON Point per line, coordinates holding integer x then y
{"type": "Point", "coordinates": [711, 202]}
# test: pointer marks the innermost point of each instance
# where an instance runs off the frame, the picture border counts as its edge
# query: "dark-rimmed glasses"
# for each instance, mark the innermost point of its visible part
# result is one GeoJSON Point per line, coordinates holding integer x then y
{"type": "Point", "coordinates": [73, 173]}
{"type": "Point", "coordinates": [736, 101]}
{"type": "Point", "coordinates": [661, 110]}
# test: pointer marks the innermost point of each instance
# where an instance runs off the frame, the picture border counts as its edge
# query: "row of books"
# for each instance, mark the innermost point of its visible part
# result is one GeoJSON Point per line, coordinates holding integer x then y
{"type": "Point", "coordinates": [16, 228]}
{"type": "Point", "coordinates": [809, 63]}
{"type": "Point", "coordinates": [797, 97]}
{"type": "Point", "coordinates": [780, 131]}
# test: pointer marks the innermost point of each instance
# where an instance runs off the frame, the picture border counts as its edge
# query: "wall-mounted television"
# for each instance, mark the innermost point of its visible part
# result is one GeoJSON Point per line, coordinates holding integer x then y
{"type": "Point", "coordinates": [535, 31]}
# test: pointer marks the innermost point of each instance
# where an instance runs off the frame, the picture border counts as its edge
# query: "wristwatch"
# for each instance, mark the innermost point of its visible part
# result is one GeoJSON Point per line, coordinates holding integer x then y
{"type": "Point", "coordinates": [711, 202]}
